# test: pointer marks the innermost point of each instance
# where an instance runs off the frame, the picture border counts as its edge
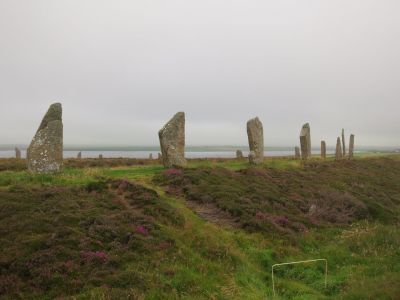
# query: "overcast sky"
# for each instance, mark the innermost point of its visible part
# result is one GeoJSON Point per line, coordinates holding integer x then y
{"type": "Point", "coordinates": [121, 69]}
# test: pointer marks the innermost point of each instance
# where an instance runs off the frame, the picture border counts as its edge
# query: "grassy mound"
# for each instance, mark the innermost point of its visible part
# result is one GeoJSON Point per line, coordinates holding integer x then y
{"type": "Point", "coordinates": [141, 232]}
{"type": "Point", "coordinates": [292, 200]}
{"type": "Point", "coordinates": [58, 239]}
{"type": "Point", "coordinates": [74, 236]}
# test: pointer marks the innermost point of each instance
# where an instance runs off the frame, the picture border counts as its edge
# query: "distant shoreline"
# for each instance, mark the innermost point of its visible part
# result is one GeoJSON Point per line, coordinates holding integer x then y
{"type": "Point", "coordinates": [11, 147]}
{"type": "Point", "coordinates": [143, 154]}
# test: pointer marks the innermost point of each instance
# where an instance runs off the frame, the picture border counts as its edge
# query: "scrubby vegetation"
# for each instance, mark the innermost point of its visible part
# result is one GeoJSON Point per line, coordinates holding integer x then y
{"type": "Point", "coordinates": [290, 200]}
{"type": "Point", "coordinates": [12, 164]}
{"type": "Point", "coordinates": [211, 231]}
{"type": "Point", "coordinates": [57, 240]}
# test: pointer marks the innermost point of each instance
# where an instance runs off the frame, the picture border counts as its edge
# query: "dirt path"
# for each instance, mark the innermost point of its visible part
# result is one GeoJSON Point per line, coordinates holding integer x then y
{"type": "Point", "coordinates": [213, 214]}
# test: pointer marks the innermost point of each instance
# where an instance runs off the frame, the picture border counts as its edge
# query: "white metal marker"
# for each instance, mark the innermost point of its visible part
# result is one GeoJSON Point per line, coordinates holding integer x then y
{"type": "Point", "coordinates": [300, 262]}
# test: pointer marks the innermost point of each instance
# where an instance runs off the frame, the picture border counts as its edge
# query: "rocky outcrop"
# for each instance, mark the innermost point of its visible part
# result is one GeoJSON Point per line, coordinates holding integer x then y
{"type": "Point", "coordinates": [45, 153]}
{"type": "Point", "coordinates": [172, 141]}
{"type": "Point", "coordinates": [255, 136]}
{"type": "Point", "coordinates": [339, 153]}
{"type": "Point", "coordinates": [305, 141]}
{"type": "Point", "coordinates": [323, 149]}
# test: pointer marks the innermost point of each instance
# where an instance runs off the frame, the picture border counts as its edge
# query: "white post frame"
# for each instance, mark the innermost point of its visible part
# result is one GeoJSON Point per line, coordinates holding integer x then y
{"type": "Point", "coordinates": [300, 262]}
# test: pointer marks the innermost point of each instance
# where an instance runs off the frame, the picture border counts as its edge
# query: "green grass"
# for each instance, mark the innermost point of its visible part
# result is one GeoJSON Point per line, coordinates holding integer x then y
{"type": "Point", "coordinates": [237, 164]}
{"type": "Point", "coordinates": [67, 177]}
{"type": "Point", "coordinates": [76, 234]}
{"type": "Point", "coordinates": [79, 176]}
{"type": "Point", "coordinates": [363, 261]}
{"type": "Point", "coordinates": [135, 173]}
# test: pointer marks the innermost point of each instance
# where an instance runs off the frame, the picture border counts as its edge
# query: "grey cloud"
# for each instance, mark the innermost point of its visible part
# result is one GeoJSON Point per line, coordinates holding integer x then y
{"type": "Point", "coordinates": [123, 68]}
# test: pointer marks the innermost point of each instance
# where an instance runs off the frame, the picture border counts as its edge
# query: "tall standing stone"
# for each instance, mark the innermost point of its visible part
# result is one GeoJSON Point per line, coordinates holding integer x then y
{"type": "Point", "coordinates": [159, 156]}
{"type": "Point", "coordinates": [151, 156]}
{"type": "Point", "coordinates": [17, 153]}
{"type": "Point", "coordinates": [351, 146]}
{"type": "Point", "coordinates": [305, 141]}
{"type": "Point", "coordinates": [100, 156]}
{"type": "Point", "coordinates": [239, 154]}
{"type": "Point", "coordinates": [172, 141]}
{"type": "Point", "coordinates": [339, 153]}
{"type": "Point", "coordinates": [79, 156]}
{"type": "Point", "coordinates": [343, 144]}
{"type": "Point", "coordinates": [255, 135]}
{"type": "Point", "coordinates": [297, 152]}
{"type": "Point", "coordinates": [45, 153]}
{"type": "Point", "coordinates": [323, 149]}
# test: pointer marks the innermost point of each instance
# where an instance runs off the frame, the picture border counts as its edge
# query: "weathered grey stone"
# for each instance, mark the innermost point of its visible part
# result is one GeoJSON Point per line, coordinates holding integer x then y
{"type": "Point", "coordinates": [100, 156]}
{"type": "Point", "coordinates": [239, 154]}
{"type": "Point", "coordinates": [339, 153]}
{"type": "Point", "coordinates": [45, 153]}
{"type": "Point", "coordinates": [151, 156]}
{"type": "Point", "coordinates": [172, 141]}
{"type": "Point", "coordinates": [351, 146]}
{"type": "Point", "coordinates": [255, 136]}
{"type": "Point", "coordinates": [323, 149]}
{"type": "Point", "coordinates": [17, 153]}
{"type": "Point", "coordinates": [159, 156]}
{"type": "Point", "coordinates": [297, 152]}
{"type": "Point", "coordinates": [79, 156]}
{"type": "Point", "coordinates": [305, 141]}
{"type": "Point", "coordinates": [343, 144]}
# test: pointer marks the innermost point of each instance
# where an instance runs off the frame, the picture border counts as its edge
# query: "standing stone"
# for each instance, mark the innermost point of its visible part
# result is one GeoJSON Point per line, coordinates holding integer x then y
{"type": "Point", "coordinates": [351, 146]}
{"type": "Point", "coordinates": [79, 156]}
{"type": "Point", "coordinates": [159, 156]}
{"type": "Point", "coordinates": [297, 152]}
{"type": "Point", "coordinates": [323, 149]}
{"type": "Point", "coordinates": [45, 153]}
{"type": "Point", "coordinates": [239, 154]}
{"type": "Point", "coordinates": [256, 141]}
{"type": "Point", "coordinates": [17, 153]}
{"type": "Point", "coordinates": [151, 156]}
{"type": "Point", "coordinates": [172, 141]}
{"type": "Point", "coordinates": [339, 153]}
{"type": "Point", "coordinates": [100, 156]}
{"type": "Point", "coordinates": [343, 144]}
{"type": "Point", "coordinates": [305, 141]}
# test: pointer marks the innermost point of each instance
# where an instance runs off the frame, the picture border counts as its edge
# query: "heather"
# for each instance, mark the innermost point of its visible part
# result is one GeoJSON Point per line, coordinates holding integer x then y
{"type": "Point", "coordinates": [211, 230]}
{"type": "Point", "coordinates": [291, 200]}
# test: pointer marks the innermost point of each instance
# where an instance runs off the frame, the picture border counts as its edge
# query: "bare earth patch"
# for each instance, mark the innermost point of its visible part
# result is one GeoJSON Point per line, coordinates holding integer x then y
{"type": "Point", "coordinates": [211, 213]}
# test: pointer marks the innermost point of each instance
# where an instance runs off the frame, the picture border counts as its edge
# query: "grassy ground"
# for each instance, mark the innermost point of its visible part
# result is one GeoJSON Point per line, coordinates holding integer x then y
{"type": "Point", "coordinates": [130, 232]}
